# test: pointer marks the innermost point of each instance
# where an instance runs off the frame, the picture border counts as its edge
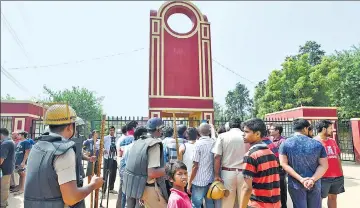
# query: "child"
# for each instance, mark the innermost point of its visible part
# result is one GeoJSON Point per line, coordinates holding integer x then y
{"type": "Point", "coordinates": [178, 176]}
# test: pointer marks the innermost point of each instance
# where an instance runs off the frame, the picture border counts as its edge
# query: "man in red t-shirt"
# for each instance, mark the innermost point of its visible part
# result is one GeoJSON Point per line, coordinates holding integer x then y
{"type": "Point", "coordinates": [332, 182]}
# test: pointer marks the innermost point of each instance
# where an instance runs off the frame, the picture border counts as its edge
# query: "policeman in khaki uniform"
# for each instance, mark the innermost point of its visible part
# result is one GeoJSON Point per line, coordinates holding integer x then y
{"type": "Point", "coordinates": [144, 172]}
{"type": "Point", "coordinates": [53, 176]}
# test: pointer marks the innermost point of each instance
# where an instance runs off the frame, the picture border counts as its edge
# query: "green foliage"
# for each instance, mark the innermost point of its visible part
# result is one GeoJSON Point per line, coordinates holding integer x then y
{"type": "Point", "coordinates": [345, 82]}
{"type": "Point", "coordinates": [8, 97]}
{"type": "Point", "coordinates": [312, 48]}
{"type": "Point", "coordinates": [219, 111]}
{"type": "Point", "coordinates": [312, 79]}
{"type": "Point", "coordinates": [85, 102]}
{"type": "Point", "coordinates": [258, 95]}
{"type": "Point", "coordinates": [238, 103]}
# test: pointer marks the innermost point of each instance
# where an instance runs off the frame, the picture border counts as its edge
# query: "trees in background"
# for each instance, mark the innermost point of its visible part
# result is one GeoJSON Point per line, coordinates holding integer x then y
{"type": "Point", "coordinates": [312, 79]}
{"type": "Point", "coordinates": [85, 102]}
{"type": "Point", "coordinates": [237, 104]}
{"type": "Point", "coordinates": [8, 97]}
{"type": "Point", "coordinates": [219, 111]}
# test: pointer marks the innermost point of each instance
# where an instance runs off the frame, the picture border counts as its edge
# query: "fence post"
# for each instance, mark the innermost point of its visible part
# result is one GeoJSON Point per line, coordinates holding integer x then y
{"type": "Point", "coordinates": [355, 126]}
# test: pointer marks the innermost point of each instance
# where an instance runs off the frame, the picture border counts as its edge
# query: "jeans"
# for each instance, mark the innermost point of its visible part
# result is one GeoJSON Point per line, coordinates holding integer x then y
{"type": "Point", "coordinates": [303, 198]}
{"type": "Point", "coordinates": [121, 200]}
{"type": "Point", "coordinates": [198, 193]}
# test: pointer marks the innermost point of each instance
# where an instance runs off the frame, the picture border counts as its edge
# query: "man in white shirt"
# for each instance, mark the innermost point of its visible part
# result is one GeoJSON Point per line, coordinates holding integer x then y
{"type": "Point", "coordinates": [110, 163]}
{"type": "Point", "coordinates": [229, 151]}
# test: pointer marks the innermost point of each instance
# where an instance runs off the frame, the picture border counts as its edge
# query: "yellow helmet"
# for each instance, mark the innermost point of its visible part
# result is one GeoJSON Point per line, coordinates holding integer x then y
{"type": "Point", "coordinates": [217, 191]}
{"type": "Point", "coordinates": [60, 114]}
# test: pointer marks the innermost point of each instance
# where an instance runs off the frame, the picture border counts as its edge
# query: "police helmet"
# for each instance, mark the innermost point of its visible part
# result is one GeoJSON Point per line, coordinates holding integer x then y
{"type": "Point", "coordinates": [154, 124]}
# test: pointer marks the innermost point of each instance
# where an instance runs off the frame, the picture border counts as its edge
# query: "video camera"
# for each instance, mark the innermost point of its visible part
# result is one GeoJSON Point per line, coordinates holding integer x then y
{"type": "Point", "coordinates": [113, 145]}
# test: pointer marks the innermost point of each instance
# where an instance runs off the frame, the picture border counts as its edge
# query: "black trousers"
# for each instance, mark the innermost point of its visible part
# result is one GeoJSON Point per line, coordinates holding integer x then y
{"type": "Point", "coordinates": [133, 203]}
{"type": "Point", "coordinates": [110, 165]}
{"type": "Point", "coordinates": [283, 189]}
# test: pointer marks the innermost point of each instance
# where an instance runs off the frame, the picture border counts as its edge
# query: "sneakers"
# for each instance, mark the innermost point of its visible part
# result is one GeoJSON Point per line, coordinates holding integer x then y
{"type": "Point", "coordinates": [113, 192]}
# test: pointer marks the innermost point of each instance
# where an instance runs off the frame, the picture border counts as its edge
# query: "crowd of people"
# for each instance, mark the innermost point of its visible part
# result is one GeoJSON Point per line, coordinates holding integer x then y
{"type": "Point", "coordinates": [14, 155]}
{"type": "Point", "coordinates": [243, 164]}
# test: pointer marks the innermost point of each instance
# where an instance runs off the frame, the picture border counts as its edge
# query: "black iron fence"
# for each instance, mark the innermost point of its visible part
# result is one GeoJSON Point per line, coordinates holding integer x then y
{"type": "Point", "coordinates": [7, 122]}
{"type": "Point", "coordinates": [37, 128]}
{"type": "Point", "coordinates": [344, 133]}
{"type": "Point", "coordinates": [345, 140]}
{"type": "Point", "coordinates": [118, 122]}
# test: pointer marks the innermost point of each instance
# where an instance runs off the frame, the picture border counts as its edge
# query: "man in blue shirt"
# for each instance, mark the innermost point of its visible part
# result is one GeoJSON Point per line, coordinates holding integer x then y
{"type": "Point", "coordinates": [7, 160]}
{"type": "Point", "coordinates": [305, 161]}
{"type": "Point", "coordinates": [21, 155]}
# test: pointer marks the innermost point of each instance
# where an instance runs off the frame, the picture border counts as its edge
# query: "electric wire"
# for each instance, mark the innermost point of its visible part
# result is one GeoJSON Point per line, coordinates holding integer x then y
{"type": "Point", "coordinates": [12, 79]}
{"type": "Point", "coordinates": [232, 71]}
{"type": "Point", "coordinates": [14, 35]}
{"type": "Point", "coordinates": [74, 62]}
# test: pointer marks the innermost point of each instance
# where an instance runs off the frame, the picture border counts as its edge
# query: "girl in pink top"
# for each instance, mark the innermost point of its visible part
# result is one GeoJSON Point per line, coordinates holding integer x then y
{"type": "Point", "coordinates": [178, 176]}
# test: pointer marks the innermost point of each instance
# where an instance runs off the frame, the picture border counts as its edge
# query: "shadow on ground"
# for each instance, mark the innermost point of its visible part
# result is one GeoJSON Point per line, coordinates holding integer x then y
{"type": "Point", "coordinates": [351, 182]}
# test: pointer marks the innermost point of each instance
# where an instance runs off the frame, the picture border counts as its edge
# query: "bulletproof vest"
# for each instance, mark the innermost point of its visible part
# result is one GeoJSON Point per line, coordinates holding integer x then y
{"type": "Point", "coordinates": [79, 145]}
{"type": "Point", "coordinates": [41, 185]}
{"type": "Point", "coordinates": [136, 170]}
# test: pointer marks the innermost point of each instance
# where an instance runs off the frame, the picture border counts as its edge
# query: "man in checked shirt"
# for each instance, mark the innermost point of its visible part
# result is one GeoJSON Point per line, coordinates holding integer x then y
{"type": "Point", "coordinates": [276, 138]}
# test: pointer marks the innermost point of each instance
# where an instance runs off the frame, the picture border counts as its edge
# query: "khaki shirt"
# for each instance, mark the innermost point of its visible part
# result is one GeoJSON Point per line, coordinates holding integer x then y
{"type": "Point", "coordinates": [65, 166]}
{"type": "Point", "coordinates": [153, 159]}
{"type": "Point", "coordinates": [230, 145]}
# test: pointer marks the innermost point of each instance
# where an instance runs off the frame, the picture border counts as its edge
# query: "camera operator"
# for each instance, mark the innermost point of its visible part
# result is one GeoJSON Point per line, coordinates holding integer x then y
{"type": "Point", "coordinates": [110, 163]}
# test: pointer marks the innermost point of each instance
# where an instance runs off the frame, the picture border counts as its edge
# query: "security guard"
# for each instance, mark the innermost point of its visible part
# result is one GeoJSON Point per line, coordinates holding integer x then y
{"type": "Point", "coordinates": [53, 177]}
{"type": "Point", "coordinates": [144, 172]}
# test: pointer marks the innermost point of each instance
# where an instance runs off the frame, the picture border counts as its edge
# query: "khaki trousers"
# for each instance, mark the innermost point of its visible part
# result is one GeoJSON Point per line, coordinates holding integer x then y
{"type": "Point", "coordinates": [14, 179]}
{"type": "Point", "coordinates": [233, 181]}
{"type": "Point", "coordinates": [153, 198]}
{"type": "Point", "coordinates": [4, 190]}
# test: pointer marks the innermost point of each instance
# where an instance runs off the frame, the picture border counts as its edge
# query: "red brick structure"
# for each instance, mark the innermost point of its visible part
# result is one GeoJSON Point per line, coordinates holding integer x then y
{"type": "Point", "coordinates": [18, 115]}
{"type": "Point", "coordinates": [180, 71]}
{"type": "Point", "coordinates": [309, 113]}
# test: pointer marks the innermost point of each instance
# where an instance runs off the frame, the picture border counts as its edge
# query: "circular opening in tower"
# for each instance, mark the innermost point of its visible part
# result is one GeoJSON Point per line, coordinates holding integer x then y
{"type": "Point", "coordinates": [180, 23]}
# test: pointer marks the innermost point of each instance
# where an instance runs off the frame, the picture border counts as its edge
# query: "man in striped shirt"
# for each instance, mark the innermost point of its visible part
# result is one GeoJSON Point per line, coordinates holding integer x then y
{"type": "Point", "coordinates": [271, 146]}
{"type": "Point", "coordinates": [202, 174]}
{"type": "Point", "coordinates": [261, 188]}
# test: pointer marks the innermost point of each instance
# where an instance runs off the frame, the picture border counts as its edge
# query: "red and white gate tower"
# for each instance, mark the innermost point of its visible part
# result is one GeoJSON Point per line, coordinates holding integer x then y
{"type": "Point", "coordinates": [180, 71]}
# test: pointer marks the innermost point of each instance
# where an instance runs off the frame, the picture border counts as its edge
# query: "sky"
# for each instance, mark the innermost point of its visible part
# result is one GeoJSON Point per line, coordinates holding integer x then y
{"type": "Point", "coordinates": [250, 38]}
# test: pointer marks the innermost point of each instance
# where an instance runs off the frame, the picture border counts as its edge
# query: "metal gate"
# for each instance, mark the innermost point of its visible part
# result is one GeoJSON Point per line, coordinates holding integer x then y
{"type": "Point", "coordinates": [37, 128]}
{"type": "Point", "coordinates": [6, 122]}
{"type": "Point", "coordinates": [345, 140]}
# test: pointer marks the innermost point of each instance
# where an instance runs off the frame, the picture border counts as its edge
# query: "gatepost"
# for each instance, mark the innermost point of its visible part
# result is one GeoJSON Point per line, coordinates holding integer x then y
{"type": "Point", "coordinates": [355, 126]}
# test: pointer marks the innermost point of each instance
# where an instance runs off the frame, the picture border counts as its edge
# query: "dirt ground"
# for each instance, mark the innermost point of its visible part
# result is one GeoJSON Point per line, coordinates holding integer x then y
{"type": "Point", "coordinates": [349, 199]}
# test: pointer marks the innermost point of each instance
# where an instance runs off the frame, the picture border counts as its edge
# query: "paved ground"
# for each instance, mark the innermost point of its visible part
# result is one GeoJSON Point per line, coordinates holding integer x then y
{"type": "Point", "coordinates": [349, 199]}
